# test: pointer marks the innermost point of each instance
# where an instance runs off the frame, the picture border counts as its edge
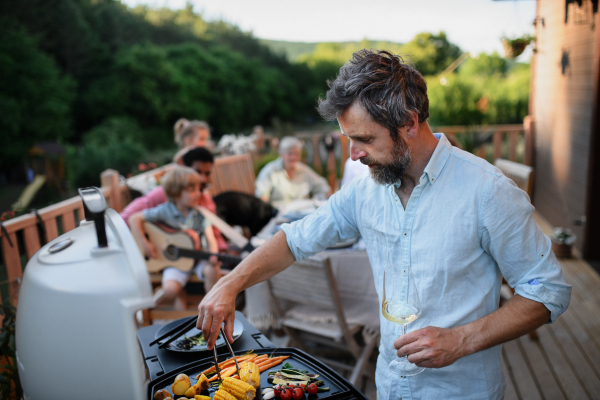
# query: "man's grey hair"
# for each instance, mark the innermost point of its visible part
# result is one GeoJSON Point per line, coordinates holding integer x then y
{"type": "Point", "coordinates": [287, 143]}
{"type": "Point", "coordinates": [388, 89]}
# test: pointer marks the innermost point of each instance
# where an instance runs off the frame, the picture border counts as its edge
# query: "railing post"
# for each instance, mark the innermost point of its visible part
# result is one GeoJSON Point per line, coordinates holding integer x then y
{"type": "Point", "coordinates": [331, 175]}
{"type": "Point", "coordinates": [110, 178]}
{"type": "Point", "coordinates": [344, 143]}
{"type": "Point", "coordinates": [12, 263]}
{"type": "Point", "coordinates": [529, 129]}
{"type": "Point", "coordinates": [317, 157]}
{"type": "Point", "coordinates": [512, 146]}
{"type": "Point", "coordinates": [497, 145]}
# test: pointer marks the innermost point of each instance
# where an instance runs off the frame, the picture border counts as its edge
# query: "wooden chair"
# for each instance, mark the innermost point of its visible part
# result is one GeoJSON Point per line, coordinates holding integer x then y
{"type": "Point", "coordinates": [522, 175]}
{"type": "Point", "coordinates": [311, 283]}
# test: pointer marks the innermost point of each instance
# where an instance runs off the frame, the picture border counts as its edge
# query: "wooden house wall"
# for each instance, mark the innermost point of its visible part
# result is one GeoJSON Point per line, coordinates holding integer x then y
{"type": "Point", "coordinates": [562, 86]}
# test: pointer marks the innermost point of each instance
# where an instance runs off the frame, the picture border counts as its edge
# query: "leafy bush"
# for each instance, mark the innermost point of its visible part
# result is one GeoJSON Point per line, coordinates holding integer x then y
{"type": "Point", "coordinates": [10, 385]}
{"type": "Point", "coordinates": [113, 144]}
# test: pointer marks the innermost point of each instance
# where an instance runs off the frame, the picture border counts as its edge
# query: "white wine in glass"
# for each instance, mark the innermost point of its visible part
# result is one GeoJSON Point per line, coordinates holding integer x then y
{"type": "Point", "coordinates": [402, 306]}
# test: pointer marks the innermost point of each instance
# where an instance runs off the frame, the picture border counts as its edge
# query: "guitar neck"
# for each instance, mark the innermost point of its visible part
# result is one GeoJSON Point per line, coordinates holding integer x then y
{"type": "Point", "coordinates": [203, 255]}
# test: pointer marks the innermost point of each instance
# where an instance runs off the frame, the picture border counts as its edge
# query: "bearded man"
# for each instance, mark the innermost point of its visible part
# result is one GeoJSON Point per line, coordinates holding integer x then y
{"type": "Point", "coordinates": [447, 217]}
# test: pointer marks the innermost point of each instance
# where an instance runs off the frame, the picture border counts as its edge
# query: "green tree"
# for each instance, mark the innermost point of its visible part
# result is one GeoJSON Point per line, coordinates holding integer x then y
{"type": "Point", "coordinates": [485, 65]}
{"type": "Point", "coordinates": [431, 54]}
{"type": "Point", "coordinates": [35, 97]}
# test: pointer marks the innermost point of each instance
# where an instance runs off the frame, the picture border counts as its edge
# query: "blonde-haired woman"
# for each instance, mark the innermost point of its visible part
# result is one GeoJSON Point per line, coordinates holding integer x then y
{"type": "Point", "coordinates": [189, 135]}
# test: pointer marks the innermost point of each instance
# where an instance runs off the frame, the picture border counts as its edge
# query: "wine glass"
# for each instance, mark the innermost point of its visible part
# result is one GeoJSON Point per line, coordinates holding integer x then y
{"type": "Point", "coordinates": [402, 306]}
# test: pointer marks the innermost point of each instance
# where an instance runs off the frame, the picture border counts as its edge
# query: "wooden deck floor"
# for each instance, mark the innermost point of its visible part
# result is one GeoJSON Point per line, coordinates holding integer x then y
{"type": "Point", "coordinates": [565, 362]}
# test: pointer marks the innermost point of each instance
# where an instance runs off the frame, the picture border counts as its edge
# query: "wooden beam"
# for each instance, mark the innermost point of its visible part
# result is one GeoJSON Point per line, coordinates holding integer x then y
{"type": "Point", "coordinates": [591, 249]}
{"type": "Point", "coordinates": [498, 136]}
{"type": "Point", "coordinates": [529, 129]}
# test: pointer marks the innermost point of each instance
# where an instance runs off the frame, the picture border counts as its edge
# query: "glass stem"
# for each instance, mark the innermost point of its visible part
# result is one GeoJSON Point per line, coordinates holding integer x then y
{"type": "Point", "coordinates": [405, 358]}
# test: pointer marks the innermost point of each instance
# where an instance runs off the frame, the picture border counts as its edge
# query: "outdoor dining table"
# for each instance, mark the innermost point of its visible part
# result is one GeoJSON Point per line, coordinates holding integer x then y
{"type": "Point", "coordinates": [351, 270]}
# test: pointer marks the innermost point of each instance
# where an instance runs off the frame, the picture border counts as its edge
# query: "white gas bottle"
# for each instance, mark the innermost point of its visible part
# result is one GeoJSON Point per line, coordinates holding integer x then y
{"type": "Point", "coordinates": [75, 328]}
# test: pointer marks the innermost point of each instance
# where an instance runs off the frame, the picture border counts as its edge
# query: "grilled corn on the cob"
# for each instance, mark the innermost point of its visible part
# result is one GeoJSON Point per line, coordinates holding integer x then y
{"type": "Point", "coordinates": [250, 374]}
{"type": "Point", "coordinates": [240, 390]}
{"type": "Point", "coordinates": [222, 394]}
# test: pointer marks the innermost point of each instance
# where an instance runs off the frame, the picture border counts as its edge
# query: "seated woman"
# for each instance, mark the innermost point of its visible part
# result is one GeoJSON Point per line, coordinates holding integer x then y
{"type": "Point", "coordinates": [287, 179]}
{"type": "Point", "coordinates": [189, 135]}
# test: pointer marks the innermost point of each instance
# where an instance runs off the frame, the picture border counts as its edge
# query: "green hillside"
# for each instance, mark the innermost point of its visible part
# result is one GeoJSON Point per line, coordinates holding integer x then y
{"type": "Point", "coordinates": [298, 51]}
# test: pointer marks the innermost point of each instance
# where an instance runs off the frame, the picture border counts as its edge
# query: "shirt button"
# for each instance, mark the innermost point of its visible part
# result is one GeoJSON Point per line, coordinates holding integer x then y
{"type": "Point", "coordinates": [405, 234]}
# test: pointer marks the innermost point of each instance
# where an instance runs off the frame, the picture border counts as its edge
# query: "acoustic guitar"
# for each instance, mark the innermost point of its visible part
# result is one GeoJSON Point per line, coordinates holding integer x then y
{"type": "Point", "coordinates": [176, 249]}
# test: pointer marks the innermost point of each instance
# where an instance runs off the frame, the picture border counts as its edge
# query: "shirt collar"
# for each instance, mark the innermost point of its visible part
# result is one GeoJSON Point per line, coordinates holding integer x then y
{"type": "Point", "coordinates": [438, 158]}
{"type": "Point", "coordinates": [436, 162]}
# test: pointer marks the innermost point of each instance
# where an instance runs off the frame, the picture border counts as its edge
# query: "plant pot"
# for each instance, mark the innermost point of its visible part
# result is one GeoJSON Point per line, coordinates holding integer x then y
{"type": "Point", "coordinates": [514, 49]}
{"type": "Point", "coordinates": [561, 250]}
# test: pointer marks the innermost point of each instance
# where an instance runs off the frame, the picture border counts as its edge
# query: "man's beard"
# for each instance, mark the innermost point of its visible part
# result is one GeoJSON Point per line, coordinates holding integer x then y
{"type": "Point", "coordinates": [388, 174]}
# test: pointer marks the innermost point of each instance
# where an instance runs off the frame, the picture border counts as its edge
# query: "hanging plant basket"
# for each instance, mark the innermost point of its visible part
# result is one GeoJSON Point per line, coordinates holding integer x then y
{"type": "Point", "coordinates": [514, 47]}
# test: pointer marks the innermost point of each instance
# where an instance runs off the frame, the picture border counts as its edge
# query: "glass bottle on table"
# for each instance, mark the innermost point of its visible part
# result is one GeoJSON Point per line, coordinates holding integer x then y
{"type": "Point", "coordinates": [400, 305]}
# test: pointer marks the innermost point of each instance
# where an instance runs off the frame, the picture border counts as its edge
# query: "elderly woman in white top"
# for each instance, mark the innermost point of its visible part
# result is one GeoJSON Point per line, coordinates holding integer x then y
{"type": "Point", "coordinates": [287, 179]}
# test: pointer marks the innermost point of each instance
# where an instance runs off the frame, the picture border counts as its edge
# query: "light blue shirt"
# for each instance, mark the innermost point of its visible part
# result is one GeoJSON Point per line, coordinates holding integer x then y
{"type": "Point", "coordinates": [465, 226]}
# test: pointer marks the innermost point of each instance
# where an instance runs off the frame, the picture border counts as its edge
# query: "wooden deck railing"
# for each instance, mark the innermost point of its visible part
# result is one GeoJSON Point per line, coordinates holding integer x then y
{"type": "Point", "coordinates": [504, 144]}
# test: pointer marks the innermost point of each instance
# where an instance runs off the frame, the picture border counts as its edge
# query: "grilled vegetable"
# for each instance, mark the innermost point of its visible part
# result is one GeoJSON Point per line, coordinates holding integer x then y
{"type": "Point", "coordinates": [192, 391]}
{"type": "Point", "coordinates": [279, 381]}
{"type": "Point", "coordinates": [202, 382]}
{"type": "Point", "coordinates": [249, 373]}
{"type": "Point", "coordinates": [181, 384]}
{"type": "Point", "coordinates": [162, 395]}
{"type": "Point", "coordinates": [240, 390]}
{"type": "Point", "coordinates": [200, 397]}
{"type": "Point", "coordinates": [222, 394]}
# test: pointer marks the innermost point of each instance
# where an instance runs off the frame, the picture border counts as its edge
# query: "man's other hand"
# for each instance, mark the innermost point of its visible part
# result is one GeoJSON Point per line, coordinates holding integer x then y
{"type": "Point", "coordinates": [432, 347]}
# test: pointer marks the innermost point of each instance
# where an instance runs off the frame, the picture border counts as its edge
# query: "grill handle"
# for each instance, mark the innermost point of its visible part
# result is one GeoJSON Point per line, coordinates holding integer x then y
{"type": "Point", "coordinates": [94, 206]}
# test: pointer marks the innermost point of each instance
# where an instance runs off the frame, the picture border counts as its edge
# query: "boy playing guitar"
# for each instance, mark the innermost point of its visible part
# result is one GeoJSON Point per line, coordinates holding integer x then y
{"type": "Point", "coordinates": [182, 187]}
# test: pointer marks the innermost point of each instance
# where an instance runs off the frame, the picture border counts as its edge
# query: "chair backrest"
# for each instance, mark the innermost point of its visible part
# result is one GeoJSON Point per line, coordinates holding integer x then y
{"type": "Point", "coordinates": [233, 173]}
{"type": "Point", "coordinates": [311, 282]}
{"type": "Point", "coordinates": [521, 174]}
{"type": "Point", "coordinates": [308, 282]}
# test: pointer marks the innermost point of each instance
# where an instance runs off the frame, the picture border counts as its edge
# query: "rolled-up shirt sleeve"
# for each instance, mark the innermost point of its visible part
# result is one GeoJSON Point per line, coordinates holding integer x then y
{"type": "Point", "coordinates": [521, 250]}
{"type": "Point", "coordinates": [330, 224]}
